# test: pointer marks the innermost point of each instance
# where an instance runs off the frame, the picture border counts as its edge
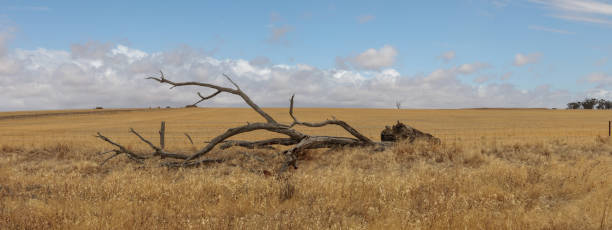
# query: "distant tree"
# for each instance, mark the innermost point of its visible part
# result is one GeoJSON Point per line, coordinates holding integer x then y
{"type": "Point", "coordinates": [573, 105]}
{"type": "Point", "coordinates": [589, 103]}
{"type": "Point", "coordinates": [398, 104]}
{"type": "Point", "coordinates": [604, 104]}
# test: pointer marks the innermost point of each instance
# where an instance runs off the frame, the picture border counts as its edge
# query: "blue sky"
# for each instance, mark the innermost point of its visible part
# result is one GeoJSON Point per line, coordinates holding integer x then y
{"type": "Point", "coordinates": [563, 47]}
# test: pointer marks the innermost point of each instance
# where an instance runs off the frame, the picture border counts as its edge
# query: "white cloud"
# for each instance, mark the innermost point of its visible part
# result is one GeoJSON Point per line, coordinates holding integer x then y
{"type": "Point", "coordinates": [580, 10]}
{"type": "Point", "coordinates": [602, 79]}
{"type": "Point", "coordinates": [447, 56]}
{"type": "Point", "coordinates": [260, 61]}
{"type": "Point", "coordinates": [131, 54]}
{"type": "Point", "coordinates": [365, 18]}
{"type": "Point", "coordinates": [584, 19]}
{"type": "Point", "coordinates": [57, 79]}
{"type": "Point", "coordinates": [482, 79]}
{"type": "Point", "coordinates": [506, 76]}
{"type": "Point", "coordinates": [582, 6]}
{"type": "Point", "coordinates": [524, 59]}
{"type": "Point", "coordinates": [472, 67]}
{"type": "Point", "coordinates": [279, 34]}
{"type": "Point", "coordinates": [375, 59]}
{"type": "Point", "coordinates": [547, 29]}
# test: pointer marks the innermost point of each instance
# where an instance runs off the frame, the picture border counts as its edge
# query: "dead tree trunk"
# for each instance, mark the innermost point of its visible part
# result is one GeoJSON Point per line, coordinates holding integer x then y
{"type": "Point", "coordinates": [298, 140]}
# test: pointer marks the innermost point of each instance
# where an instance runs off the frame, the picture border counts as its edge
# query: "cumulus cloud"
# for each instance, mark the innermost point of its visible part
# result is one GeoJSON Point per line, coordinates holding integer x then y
{"type": "Point", "coordinates": [506, 76]}
{"type": "Point", "coordinates": [447, 56]}
{"type": "Point", "coordinates": [279, 34]}
{"type": "Point", "coordinates": [365, 18]}
{"type": "Point", "coordinates": [524, 59]}
{"type": "Point", "coordinates": [472, 67]}
{"type": "Point", "coordinates": [482, 79]}
{"type": "Point", "coordinates": [260, 61]}
{"type": "Point", "coordinates": [601, 79]}
{"type": "Point", "coordinates": [95, 74]}
{"type": "Point", "coordinates": [371, 59]}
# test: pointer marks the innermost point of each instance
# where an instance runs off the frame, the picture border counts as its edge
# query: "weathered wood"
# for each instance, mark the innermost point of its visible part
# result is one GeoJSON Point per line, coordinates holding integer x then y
{"type": "Point", "coordinates": [236, 91]}
{"type": "Point", "coordinates": [298, 140]}
{"type": "Point", "coordinates": [121, 149]}
{"type": "Point", "coordinates": [258, 144]}
{"type": "Point", "coordinates": [162, 135]}
{"type": "Point", "coordinates": [189, 138]}
{"type": "Point", "coordinates": [400, 132]}
{"type": "Point", "coordinates": [340, 123]}
{"type": "Point", "coordinates": [273, 127]}
{"type": "Point", "coordinates": [157, 150]}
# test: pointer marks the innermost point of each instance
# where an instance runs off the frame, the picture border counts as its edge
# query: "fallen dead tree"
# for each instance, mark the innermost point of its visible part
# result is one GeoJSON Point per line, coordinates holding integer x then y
{"type": "Point", "coordinates": [298, 141]}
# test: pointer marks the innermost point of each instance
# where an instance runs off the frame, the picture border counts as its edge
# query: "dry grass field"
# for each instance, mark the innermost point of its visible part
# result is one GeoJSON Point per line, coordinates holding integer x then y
{"type": "Point", "coordinates": [495, 169]}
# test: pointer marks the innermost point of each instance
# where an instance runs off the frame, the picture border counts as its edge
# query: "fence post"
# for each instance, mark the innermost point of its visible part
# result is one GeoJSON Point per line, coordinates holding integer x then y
{"type": "Point", "coordinates": [162, 135]}
{"type": "Point", "coordinates": [609, 128]}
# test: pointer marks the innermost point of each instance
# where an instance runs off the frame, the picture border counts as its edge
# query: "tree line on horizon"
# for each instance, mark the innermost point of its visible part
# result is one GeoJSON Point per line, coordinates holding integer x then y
{"type": "Point", "coordinates": [590, 103]}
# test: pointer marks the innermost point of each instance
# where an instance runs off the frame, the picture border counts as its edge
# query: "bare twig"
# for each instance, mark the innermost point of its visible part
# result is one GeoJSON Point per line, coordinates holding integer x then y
{"type": "Point", "coordinates": [202, 98]}
{"type": "Point", "coordinates": [340, 123]}
{"type": "Point", "coordinates": [236, 91]}
{"type": "Point", "coordinates": [157, 150]}
{"type": "Point", "coordinates": [111, 157]}
{"type": "Point", "coordinates": [128, 153]}
{"type": "Point", "coordinates": [189, 138]}
{"type": "Point", "coordinates": [144, 140]}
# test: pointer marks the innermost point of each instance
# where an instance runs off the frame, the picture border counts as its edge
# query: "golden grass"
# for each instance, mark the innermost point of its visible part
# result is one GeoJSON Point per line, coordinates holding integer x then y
{"type": "Point", "coordinates": [496, 169]}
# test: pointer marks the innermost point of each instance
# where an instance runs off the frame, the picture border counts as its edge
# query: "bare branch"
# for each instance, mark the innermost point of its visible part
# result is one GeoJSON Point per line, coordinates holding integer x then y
{"type": "Point", "coordinates": [145, 140]}
{"type": "Point", "coordinates": [295, 120]}
{"type": "Point", "coordinates": [298, 140]}
{"type": "Point", "coordinates": [111, 157]}
{"type": "Point", "coordinates": [340, 123]}
{"type": "Point", "coordinates": [233, 83]}
{"type": "Point", "coordinates": [159, 151]}
{"type": "Point", "coordinates": [258, 144]}
{"type": "Point", "coordinates": [315, 142]}
{"type": "Point", "coordinates": [189, 137]}
{"type": "Point", "coordinates": [110, 151]}
{"type": "Point", "coordinates": [202, 98]}
{"type": "Point", "coordinates": [273, 127]}
{"type": "Point", "coordinates": [122, 149]}
{"type": "Point", "coordinates": [236, 91]}
{"type": "Point", "coordinates": [192, 164]}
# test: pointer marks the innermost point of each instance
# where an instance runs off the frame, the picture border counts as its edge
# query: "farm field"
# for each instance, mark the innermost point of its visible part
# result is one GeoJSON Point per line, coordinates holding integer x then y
{"type": "Point", "coordinates": [464, 125]}
{"type": "Point", "coordinates": [495, 169]}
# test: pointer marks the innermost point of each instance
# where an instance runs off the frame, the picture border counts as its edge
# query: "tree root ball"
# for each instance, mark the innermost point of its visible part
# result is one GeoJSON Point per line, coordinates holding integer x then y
{"type": "Point", "coordinates": [400, 132]}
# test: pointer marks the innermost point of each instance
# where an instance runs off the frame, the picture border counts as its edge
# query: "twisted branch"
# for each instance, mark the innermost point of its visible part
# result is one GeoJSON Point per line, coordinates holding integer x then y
{"type": "Point", "coordinates": [258, 144]}
{"type": "Point", "coordinates": [236, 91]}
{"type": "Point", "coordinates": [340, 123]}
{"type": "Point", "coordinates": [298, 140]}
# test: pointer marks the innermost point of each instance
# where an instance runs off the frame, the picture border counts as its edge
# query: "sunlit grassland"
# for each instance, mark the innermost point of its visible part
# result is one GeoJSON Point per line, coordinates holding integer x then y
{"type": "Point", "coordinates": [496, 169]}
